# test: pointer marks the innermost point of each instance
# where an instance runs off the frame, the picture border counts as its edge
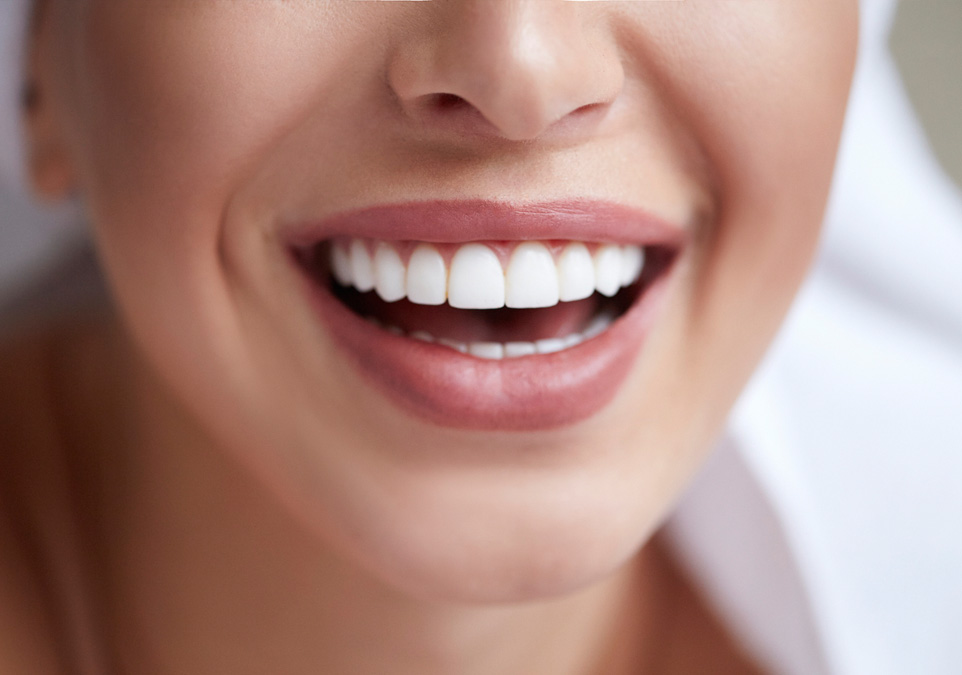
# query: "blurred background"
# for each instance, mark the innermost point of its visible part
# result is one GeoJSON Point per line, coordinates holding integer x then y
{"type": "Point", "coordinates": [927, 44]}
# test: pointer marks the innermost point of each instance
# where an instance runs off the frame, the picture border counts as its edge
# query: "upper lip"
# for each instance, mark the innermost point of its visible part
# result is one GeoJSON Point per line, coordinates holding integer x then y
{"type": "Point", "coordinates": [483, 220]}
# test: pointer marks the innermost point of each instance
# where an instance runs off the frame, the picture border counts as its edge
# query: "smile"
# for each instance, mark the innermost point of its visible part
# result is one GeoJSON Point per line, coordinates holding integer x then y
{"type": "Point", "coordinates": [470, 328]}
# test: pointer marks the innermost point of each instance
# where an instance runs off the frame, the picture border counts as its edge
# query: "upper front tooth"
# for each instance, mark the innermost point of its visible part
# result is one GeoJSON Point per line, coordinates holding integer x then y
{"type": "Point", "coordinates": [427, 277]}
{"type": "Point", "coordinates": [632, 263]}
{"type": "Point", "coordinates": [608, 268]}
{"type": "Point", "coordinates": [388, 273]}
{"type": "Point", "coordinates": [477, 281]}
{"type": "Point", "coordinates": [362, 270]}
{"type": "Point", "coordinates": [576, 273]}
{"type": "Point", "coordinates": [532, 278]}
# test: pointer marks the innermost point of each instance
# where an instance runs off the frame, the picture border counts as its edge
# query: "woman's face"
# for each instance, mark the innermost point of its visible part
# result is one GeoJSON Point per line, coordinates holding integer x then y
{"type": "Point", "coordinates": [228, 150]}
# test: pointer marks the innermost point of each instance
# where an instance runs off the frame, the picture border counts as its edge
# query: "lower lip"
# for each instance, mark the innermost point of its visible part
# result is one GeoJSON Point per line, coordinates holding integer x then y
{"type": "Point", "coordinates": [531, 393]}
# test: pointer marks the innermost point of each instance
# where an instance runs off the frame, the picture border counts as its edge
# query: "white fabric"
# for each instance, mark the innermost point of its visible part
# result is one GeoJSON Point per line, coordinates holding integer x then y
{"type": "Point", "coordinates": [825, 529]}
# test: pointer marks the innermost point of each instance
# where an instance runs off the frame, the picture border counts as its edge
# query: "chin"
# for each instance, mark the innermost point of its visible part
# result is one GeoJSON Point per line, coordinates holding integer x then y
{"type": "Point", "coordinates": [532, 539]}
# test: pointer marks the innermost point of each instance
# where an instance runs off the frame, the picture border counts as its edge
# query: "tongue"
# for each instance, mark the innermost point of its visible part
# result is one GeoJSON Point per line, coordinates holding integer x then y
{"type": "Point", "coordinates": [477, 325]}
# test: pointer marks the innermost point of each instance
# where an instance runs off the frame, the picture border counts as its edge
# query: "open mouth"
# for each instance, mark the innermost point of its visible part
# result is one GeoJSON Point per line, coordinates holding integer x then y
{"type": "Point", "coordinates": [490, 300]}
{"type": "Point", "coordinates": [486, 315]}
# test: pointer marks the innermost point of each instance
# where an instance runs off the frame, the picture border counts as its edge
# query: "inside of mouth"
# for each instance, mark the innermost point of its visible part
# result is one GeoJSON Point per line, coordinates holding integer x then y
{"type": "Point", "coordinates": [479, 325]}
{"type": "Point", "coordinates": [503, 325]}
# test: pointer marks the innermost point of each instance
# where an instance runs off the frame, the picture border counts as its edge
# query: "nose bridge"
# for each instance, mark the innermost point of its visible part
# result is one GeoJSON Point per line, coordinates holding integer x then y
{"type": "Point", "coordinates": [523, 64]}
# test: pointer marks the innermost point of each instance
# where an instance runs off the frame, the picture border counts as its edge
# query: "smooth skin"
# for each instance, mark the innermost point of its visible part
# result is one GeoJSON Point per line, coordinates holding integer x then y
{"type": "Point", "coordinates": [199, 483]}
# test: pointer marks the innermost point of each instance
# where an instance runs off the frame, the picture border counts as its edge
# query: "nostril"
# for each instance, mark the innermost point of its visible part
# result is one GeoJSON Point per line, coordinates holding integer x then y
{"type": "Point", "coordinates": [449, 112]}
{"type": "Point", "coordinates": [587, 109]}
{"type": "Point", "coordinates": [445, 110]}
{"type": "Point", "coordinates": [449, 102]}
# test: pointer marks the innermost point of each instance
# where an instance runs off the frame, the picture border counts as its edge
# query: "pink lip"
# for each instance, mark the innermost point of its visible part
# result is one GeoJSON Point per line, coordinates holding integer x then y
{"type": "Point", "coordinates": [451, 389]}
{"type": "Point", "coordinates": [479, 220]}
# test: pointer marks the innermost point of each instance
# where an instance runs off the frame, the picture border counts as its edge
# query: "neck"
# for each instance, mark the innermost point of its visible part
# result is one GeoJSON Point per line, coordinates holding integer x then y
{"type": "Point", "coordinates": [207, 572]}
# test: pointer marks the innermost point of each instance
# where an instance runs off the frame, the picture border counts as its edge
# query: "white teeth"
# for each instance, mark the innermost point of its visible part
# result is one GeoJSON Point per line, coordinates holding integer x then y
{"type": "Point", "coordinates": [598, 326]}
{"type": "Point", "coordinates": [341, 264]}
{"type": "Point", "coordinates": [362, 271]}
{"type": "Point", "coordinates": [388, 273]}
{"type": "Point", "coordinates": [487, 350]}
{"type": "Point", "coordinates": [455, 345]}
{"type": "Point", "coordinates": [576, 273]}
{"type": "Point", "coordinates": [608, 269]}
{"type": "Point", "coordinates": [550, 345]}
{"type": "Point", "coordinates": [477, 281]}
{"type": "Point", "coordinates": [532, 278]}
{"type": "Point", "coordinates": [427, 280]}
{"type": "Point", "coordinates": [496, 351]}
{"type": "Point", "coordinates": [513, 350]}
{"type": "Point", "coordinates": [632, 263]}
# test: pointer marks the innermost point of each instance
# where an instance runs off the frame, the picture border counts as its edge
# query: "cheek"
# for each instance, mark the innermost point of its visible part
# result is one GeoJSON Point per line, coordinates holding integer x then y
{"type": "Point", "coordinates": [773, 136]}
{"type": "Point", "coordinates": [179, 104]}
{"type": "Point", "coordinates": [770, 117]}
{"type": "Point", "coordinates": [762, 89]}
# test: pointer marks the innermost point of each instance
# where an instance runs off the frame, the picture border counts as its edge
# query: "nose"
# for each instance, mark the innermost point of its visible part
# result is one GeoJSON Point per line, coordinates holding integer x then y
{"type": "Point", "coordinates": [514, 69]}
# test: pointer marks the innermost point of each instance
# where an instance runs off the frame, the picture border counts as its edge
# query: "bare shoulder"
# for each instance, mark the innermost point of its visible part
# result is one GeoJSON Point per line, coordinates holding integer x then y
{"type": "Point", "coordinates": [27, 637]}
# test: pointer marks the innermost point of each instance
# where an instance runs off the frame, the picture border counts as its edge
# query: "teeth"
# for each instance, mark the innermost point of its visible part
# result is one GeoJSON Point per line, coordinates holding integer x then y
{"type": "Point", "coordinates": [608, 269]}
{"type": "Point", "coordinates": [496, 351]}
{"type": "Point", "coordinates": [576, 273]}
{"type": "Point", "coordinates": [598, 326]}
{"type": "Point", "coordinates": [362, 270]}
{"type": "Point", "coordinates": [341, 265]}
{"type": "Point", "coordinates": [550, 346]}
{"type": "Point", "coordinates": [388, 273]}
{"type": "Point", "coordinates": [476, 279]}
{"type": "Point", "coordinates": [487, 350]}
{"type": "Point", "coordinates": [532, 277]}
{"type": "Point", "coordinates": [515, 349]}
{"type": "Point", "coordinates": [422, 335]}
{"type": "Point", "coordinates": [427, 277]}
{"type": "Point", "coordinates": [455, 345]}
{"type": "Point", "coordinates": [632, 263]}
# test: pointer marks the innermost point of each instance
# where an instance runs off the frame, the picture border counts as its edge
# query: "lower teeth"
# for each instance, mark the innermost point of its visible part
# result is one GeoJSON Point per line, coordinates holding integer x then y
{"type": "Point", "coordinates": [507, 350]}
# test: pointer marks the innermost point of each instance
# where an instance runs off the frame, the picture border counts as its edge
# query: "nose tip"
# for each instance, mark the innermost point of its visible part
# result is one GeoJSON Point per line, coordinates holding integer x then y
{"type": "Point", "coordinates": [514, 69]}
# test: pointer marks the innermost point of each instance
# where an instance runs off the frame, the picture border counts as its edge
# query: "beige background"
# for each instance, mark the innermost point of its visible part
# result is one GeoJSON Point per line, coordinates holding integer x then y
{"type": "Point", "coordinates": [927, 44]}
